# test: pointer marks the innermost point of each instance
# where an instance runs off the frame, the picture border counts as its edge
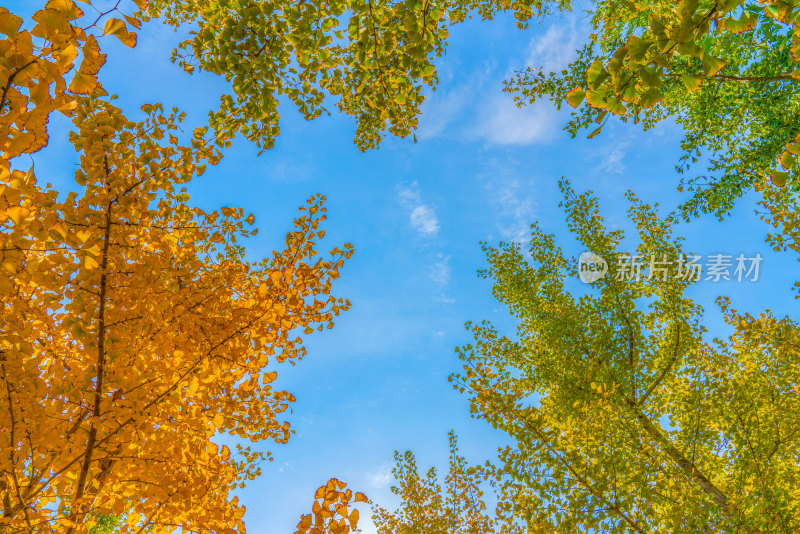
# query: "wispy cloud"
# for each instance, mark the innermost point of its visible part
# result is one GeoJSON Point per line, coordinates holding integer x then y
{"type": "Point", "coordinates": [380, 477]}
{"type": "Point", "coordinates": [479, 110]}
{"type": "Point", "coordinates": [612, 160]}
{"type": "Point", "coordinates": [441, 109]}
{"type": "Point", "coordinates": [424, 220]}
{"type": "Point", "coordinates": [422, 217]}
{"type": "Point", "coordinates": [554, 50]}
{"type": "Point", "coordinates": [511, 201]}
{"type": "Point", "coordinates": [503, 123]}
{"type": "Point", "coordinates": [446, 111]}
{"type": "Point", "coordinates": [440, 271]}
{"type": "Point", "coordinates": [517, 212]}
{"type": "Point", "coordinates": [285, 171]}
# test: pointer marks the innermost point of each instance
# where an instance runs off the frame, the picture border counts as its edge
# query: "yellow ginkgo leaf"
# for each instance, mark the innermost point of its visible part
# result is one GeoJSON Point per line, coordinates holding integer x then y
{"type": "Point", "coordinates": [9, 23]}
{"type": "Point", "coordinates": [218, 420]}
{"type": "Point", "coordinates": [194, 383]}
{"type": "Point", "coordinates": [83, 84]}
{"type": "Point", "coordinates": [83, 235]}
{"type": "Point", "coordinates": [113, 26]}
{"type": "Point", "coordinates": [17, 214]}
{"type": "Point", "coordinates": [90, 262]}
{"type": "Point", "coordinates": [92, 58]}
{"type": "Point", "coordinates": [127, 38]}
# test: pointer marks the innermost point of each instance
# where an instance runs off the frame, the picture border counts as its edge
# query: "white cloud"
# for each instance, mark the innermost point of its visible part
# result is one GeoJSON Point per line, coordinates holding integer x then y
{"type": "Point", "coordinates": [612, 160]}
{"type": "Point", "coordinates": [422, 217]}
{"type": "Point", "coordinates": [504, 123]}
{"type": "Point", "coordinates": [380, 477]}
{"type": "Point", "coordinates": [517, 212]}
{"type": "Point", "coordinates": [445, 110]}
{"type": "Point", "coordinates": [440, 271]}
{"type": "Point", "coordinates": [479, 109]}
{"type": "Point", "coordinates": [283, 171]}
{"type": "Point", "coordinates": [554, 50]}
{"type": "Point", "coordinates": [441, 109]}
{"type": "Point", "coordinates": [424, 220]}
{"type": "Point", "coordinates": [511, 201]}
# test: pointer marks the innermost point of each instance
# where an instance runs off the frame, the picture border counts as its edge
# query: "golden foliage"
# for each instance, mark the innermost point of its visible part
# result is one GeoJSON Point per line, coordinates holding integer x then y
{"type": "Point", "coordinates": [133, 332]}
{"type": "Point", "coordinates": [458, 508]}
{"type": "Point", "coordinates": [331, 512]}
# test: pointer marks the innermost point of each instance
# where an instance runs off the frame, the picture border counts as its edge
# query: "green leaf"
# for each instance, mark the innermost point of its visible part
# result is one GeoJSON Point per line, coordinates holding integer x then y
{"type": "Point", "coordinates": [744, 24]}
{"type": "Point", "coordinates": [637, 47]}
{"type": "Point", "coordinates": [691, 49]}
{"type": "Point", "coordinates": [650, 76]}
{"type": "Point", "coordinates": [691, 82]}
{"type": "Point", "coordinates": [712, 65]}
{"type": "Point", "coordinates": [596, 99]}
{"type": "Point", "coordinates": [650, 98]}
{"type": "Point", "coordinates": [779, 178]}
{"type": "Point", "coordinates": [730, 5]}
{"type": "Point", "coordinates": [616, 106]}
{"type": "Point", "coordinates": [659, 31]}
{"type": "Point", "coordinates": [575, 97]}
{"type": "Point", "coordinates": [787, 160]}
{"type": "Point", "coordinates": [601, 116]}
{"type": "Point", "coordinates": [595, 74]}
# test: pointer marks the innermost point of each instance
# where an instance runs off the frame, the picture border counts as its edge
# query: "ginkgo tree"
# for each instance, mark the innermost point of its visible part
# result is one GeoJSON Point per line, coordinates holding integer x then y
{"type": "Point", "coordinates": [132, 329]}
{"type": "Point", "coordinates": [625, 416]}
{"type": "Point", "coordinates": [426, 507]}
{"type": "Point", "coordinates": [32, 61]}
{"type": "Point", "coordinates": [728, 72]}
{"type": "Point", "coordinates": [333, 510]}
{"type": "Point", "coordinates": [459, 507]}
{"type": "Point", "coordinates": [370, 59]}
{"type": "Point", "coordinates": [134, 332]}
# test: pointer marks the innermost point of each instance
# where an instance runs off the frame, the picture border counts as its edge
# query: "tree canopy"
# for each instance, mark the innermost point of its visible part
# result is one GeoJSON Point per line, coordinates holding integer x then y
{"type": "Point", "coordinates": [727, 72]}
{"type": "Point", "coordinates": [134, 332]}
{"type": "Point", "coordinates": [624, 415]}
{"type": "Point", "coordinates": [457, 507]}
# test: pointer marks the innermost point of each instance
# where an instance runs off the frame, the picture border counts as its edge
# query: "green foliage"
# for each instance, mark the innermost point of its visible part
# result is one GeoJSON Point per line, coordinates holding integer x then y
{"type": "Point", "coordinates": [727, 72]}
{"type": "Point", "coordinates": [107, 524]}
{"type": "Point", "coordinates": [372, 56]}
{"type": "Point", "coordinates": [625, 417]}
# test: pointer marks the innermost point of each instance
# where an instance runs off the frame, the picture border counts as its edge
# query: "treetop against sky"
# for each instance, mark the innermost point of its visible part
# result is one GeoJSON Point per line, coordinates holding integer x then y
{"type": "Point", "coordinates": [150, 333]}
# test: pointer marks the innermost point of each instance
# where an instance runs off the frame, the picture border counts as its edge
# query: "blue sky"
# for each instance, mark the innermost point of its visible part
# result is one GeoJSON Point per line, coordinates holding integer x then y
{"type": "Point", "coordinates": [482, 170]}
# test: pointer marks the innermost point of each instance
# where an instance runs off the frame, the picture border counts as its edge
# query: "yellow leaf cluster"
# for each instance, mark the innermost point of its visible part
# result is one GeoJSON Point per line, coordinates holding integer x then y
{"type": "Point", "coordinates": [331, 511]}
